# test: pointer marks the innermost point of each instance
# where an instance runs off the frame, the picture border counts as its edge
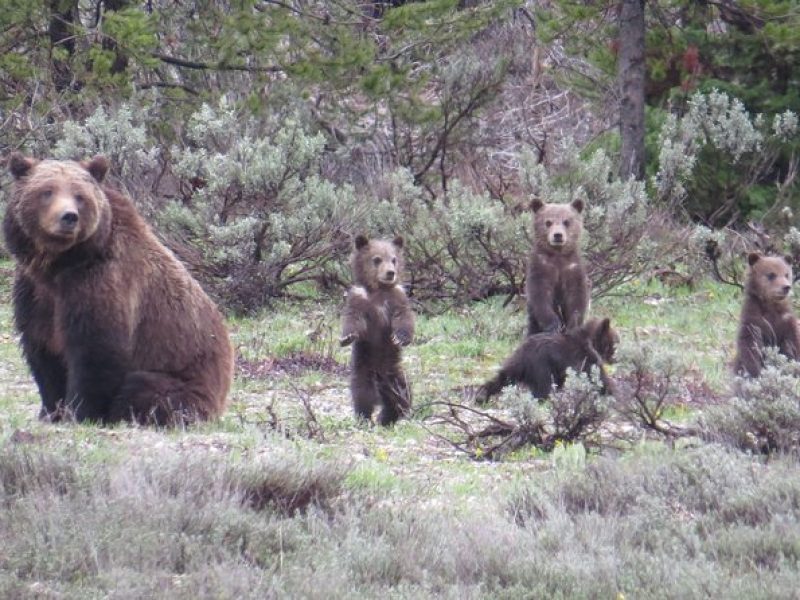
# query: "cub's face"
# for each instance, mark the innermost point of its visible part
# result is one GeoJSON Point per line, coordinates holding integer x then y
{"type": "Point", "coordinates": [557, 226]}
{"type": "Point", "coordinates": [57, 203]}
{"type": "Point", "coordinates": [604, 339]}
{"type": "Point", "coordinates": [770, 277]}
{"type": "Point", "coordinates": [377, 263]}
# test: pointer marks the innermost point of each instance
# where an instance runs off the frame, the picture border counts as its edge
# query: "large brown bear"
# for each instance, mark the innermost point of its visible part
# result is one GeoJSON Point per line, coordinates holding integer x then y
{"type": "Point", "coordinates": [767, 318]}
{"type": "Point", "coordinates": [542, 360]}
{"type": "Point", "coordinates": [378, 321]}
{"type": "Point", "coordinates": [113, 326]}
{"type": "Point", "coordinates": [556, 285]}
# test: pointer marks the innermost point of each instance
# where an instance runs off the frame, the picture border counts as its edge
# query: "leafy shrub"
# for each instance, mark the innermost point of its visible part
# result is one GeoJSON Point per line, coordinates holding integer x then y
{"type": "Point", "coordinates": [717, 161]}
{"type": "Point", "coordinates": [261, 217]}
{"type": "Point", "coordinates": [649, 381]}
{"type": "Point", "coordinates": [763, 414]}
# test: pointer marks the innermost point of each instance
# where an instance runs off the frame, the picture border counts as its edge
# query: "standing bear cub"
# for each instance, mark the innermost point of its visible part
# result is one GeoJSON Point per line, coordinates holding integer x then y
{"type": "Point", "coordinates": [377, 321]}
{"type": "Point", "coordinates": [556, 285]}
{"type": "Point", "coordinates": [542, 360]}
{"type": "Point", "coordinates": [113, 326]}
{"type": "Point", "coordinates": [767, 318]}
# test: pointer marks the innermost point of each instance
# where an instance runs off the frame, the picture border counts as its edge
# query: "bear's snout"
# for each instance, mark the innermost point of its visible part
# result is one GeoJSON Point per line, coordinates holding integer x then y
{"type": "Point", "coordinates": [389, 276]}
{"type": "Point", "coordinates": [68, 220]}
{"type": "Point", "coordinates": [557, 238]}
{"type": "Point", "coordinates": [786, 290]}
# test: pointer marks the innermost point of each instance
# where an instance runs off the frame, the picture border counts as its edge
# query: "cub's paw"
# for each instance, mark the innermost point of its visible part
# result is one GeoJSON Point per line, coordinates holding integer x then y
{"type": "Point", "coordinates": [480, 395]}
{"type": "Point", "coordinates": [401, 338]}
{"type": "Point", "coordinates": [348, 339]}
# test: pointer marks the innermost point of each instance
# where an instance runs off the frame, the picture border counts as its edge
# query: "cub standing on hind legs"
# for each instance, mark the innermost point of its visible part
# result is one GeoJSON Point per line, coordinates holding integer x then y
{"type": "Point", "coordinates": [378, 321]}
{"type": "Point", "coordinates": [556, 285]}
{"type": "Point", "coordinates": [767, 318]}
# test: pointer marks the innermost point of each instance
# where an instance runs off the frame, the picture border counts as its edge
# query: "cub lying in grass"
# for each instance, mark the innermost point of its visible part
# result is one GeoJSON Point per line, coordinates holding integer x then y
{"type": "Point", "coordinates": [542, 360]}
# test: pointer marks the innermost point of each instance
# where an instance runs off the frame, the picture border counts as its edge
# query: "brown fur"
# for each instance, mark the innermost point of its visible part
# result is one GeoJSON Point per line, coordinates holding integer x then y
{"type": "Point", "coordinates": [378, 321]}
{"type": "Point", "coordinates": [556, 287]}
{"type": "Point", "coordinates": [113, 326]}
{"type": "Point", "coordinates": [542, 360]}
{"type": "Point", "coordinates": [767, 318]}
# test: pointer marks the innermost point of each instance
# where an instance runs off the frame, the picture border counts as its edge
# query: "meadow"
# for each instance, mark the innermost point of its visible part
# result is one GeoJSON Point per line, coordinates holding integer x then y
{"type": "Point", "coordinates": [287, 496]}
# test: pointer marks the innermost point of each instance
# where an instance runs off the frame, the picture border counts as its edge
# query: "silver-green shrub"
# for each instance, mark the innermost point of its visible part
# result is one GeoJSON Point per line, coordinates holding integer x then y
{"type": "Point", "coordinates": [459, 247]}
{"type": "Point", "coordinates": [763, 414]}
{"type": "Point", "coordinates": [261, 217]}
{"type": "Point", "coordinates": [715, 158]}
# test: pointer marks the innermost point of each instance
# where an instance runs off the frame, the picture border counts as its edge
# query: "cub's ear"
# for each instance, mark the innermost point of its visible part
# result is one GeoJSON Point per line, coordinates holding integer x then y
{"type": "Point", "coordinates": [789, 259]}
{"type": "Point", "coordinates": [19, 166]}
{"type": "Point", "coordinates": [753, 258]}
{"type": "Point", "coordinates": [577, 205]}
{"type": "Point", "coordinates": [398, 241]}
{"type": "Point", "coordinates": [361, 241]}
{"type": "Point", "coordinates": [605, 326]}
{"type": "Point", "coordinates": [97, 167]}
{"type": "Point", "coordinates": [537, 205]}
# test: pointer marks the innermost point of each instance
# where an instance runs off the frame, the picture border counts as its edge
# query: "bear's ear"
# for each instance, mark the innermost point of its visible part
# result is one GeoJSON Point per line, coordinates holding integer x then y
{"type": "Point", "coordinates": [605, 326]}
{"type": "Point", "coordinates": [398, 241]}
{"type": "Point", "coordinates": [361, 241]}
{"type": "Point", "coordinates": [19, 166]}
{"type": "Point", "coordinates": [97, 167]}
{"type": "Point", "coordinates": [753, 258]}
{"type": "Point", "coordinates": [577, 205]}
{"type": "Point", "coordinates": [789, 259]}
{"type": "Point", "coordinates": [537, 205]}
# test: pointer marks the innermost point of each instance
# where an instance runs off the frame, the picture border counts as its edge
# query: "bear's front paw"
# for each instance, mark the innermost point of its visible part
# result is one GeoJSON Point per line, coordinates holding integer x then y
{"type": "Point", "coordinates": [480, 395]}
{"type": "Point", "coordinates": [401, 338]}
{"type": "Point", "coordinates": [348, 339]}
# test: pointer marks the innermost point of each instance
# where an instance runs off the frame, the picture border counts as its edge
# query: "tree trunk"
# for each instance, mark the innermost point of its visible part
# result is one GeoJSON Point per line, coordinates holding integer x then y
{"type": "Point", "coordinates": [60, 30]}
{"type": "Point", "coordinates": [631, 77]}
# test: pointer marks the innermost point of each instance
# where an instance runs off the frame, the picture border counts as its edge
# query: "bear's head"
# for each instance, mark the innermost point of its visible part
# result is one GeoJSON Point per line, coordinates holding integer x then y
{"type": "Point", "coordinates": [557, 227]}
{"type": "Point", "coordinates": [55, 205]}
{"type": "Point", "coordinates": [377, 263]}
{"type": "Point", "coordinates": [603, 337]}
{"type": "Point", "coordinates": [769, 277]}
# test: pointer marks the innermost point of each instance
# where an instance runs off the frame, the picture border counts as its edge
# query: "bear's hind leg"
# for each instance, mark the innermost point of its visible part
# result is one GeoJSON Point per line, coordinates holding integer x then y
{"type": "Point", "coordinates": [364, 392]}
{"type": "Point", "coordinates": [395, 398]}
{"type": "Point", "coordinates": [151, 398]}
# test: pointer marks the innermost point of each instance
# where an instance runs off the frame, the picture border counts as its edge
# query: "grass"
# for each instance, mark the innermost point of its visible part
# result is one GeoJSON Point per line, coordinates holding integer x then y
{"type": "Point", "coordinates": [241, 508]}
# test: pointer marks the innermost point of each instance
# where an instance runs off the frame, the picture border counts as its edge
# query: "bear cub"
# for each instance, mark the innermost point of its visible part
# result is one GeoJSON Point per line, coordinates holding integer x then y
{"type": "Point", "coordinates": [378, 321]}
{"type": "Point", "coordinates": [542, 360]}
{"type": "Point", "coordinates": [112, 325]}
{"type": "Point", "coordinates": [767, 318]}
{"type": "Point", "coordinates": [556, 285]}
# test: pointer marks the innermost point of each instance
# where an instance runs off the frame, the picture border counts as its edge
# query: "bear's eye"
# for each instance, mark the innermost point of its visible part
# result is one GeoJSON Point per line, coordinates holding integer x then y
{"type": "Point", "coordinates": [771, 276]}
{"type": "Point", "coordinates": [46, 194]}
{"type": "Point", "coordinates": [548, 223]}
{"type": "Point", "coordinates": [566, 222]}
{"type": "Point", "coordinates": [80, 199]}
{"type": "Point", "coordinates": [376, 261]}
{"type": "Point", "coordinates": [394, 260]}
